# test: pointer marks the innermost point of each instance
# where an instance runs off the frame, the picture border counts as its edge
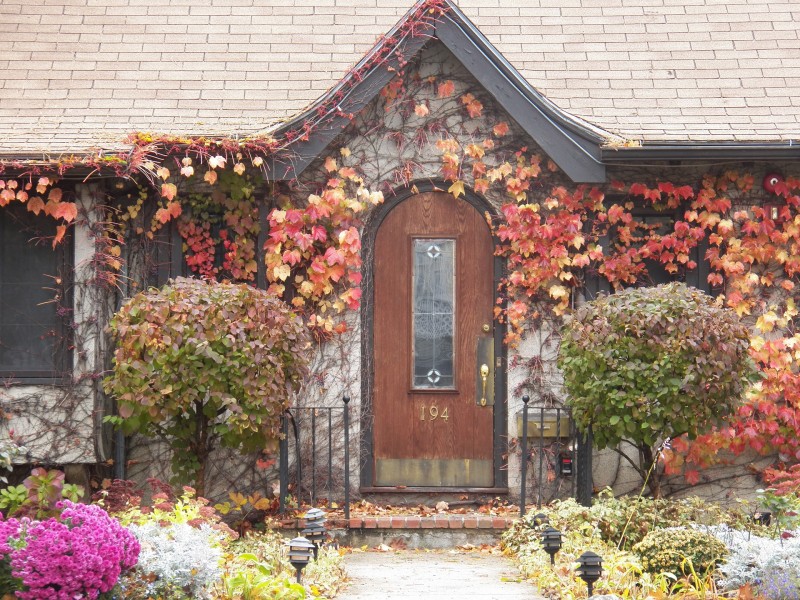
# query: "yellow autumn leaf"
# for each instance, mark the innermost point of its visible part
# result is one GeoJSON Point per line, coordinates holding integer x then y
{"type": "Point", "coordinates": [766, 322]}
{"type": "Point", "coordinates": [282, 272]}
{"type": "Point", "coordinates": [237, 498]}
{"type": "Point", "coordinates": [210, 177]}
{"type": "Point", "coordinates": [558, 291]}
{"type": "Point", "coordinates": [457, 189]}
{"type": "Point", "coordinates": [239, 168]}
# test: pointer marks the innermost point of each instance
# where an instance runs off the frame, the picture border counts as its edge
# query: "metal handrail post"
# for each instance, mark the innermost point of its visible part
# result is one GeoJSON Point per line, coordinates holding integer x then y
{"type": "Point", "coordinates": [524, 468]}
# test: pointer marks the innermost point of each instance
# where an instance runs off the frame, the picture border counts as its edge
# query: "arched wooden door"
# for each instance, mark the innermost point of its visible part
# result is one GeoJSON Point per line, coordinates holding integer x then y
{"type": "Point", "coordinates": [433, 294]}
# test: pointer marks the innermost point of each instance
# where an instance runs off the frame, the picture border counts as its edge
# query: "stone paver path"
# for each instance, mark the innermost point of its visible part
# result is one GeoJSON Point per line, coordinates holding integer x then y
{"type": "Point", "coordinates": [433, 575]}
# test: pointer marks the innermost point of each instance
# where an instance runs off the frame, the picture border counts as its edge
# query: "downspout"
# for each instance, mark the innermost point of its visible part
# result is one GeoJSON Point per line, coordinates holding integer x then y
{"type": "Point", "coordinates": [120, 441]}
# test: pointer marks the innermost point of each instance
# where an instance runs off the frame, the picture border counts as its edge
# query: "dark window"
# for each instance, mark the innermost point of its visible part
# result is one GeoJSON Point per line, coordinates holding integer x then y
{"type": "Point", "coordinates": [32, 299]}
{"type": "Point", "coordinates": [651, 222]}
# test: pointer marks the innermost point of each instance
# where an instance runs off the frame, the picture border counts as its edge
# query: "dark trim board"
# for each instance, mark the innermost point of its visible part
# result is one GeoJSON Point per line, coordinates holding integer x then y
{"type": "Point", "coordinates": [500, 424]}
{"type": "Point", "coordinates": [694, 151]}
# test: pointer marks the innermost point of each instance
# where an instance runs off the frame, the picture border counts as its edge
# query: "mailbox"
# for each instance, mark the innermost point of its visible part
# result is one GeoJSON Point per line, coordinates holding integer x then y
{"type": "Point", "coordinates": [550, 426]}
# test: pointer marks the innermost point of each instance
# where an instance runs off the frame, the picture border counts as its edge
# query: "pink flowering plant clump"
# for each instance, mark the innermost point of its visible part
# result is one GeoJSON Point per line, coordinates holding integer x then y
{"type": "Point", "coordinates": [79, 554]}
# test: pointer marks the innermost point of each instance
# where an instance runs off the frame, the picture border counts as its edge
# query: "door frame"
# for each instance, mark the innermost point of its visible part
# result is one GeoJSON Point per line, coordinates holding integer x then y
{"type": "Point", "coordinates": [500, 417]}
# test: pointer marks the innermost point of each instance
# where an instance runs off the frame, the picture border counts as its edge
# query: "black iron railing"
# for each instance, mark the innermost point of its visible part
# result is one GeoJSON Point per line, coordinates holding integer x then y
{"type": "Point", "coordinates": [549, 448]}
{"type": "Point", "coordinates": [316, 449]}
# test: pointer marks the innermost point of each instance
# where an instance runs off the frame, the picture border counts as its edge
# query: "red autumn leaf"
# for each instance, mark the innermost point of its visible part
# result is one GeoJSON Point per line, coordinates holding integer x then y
{"type": "Point", "coordinates": [174, 209]}
{"type": "Point", "coordinates": [692, 476]}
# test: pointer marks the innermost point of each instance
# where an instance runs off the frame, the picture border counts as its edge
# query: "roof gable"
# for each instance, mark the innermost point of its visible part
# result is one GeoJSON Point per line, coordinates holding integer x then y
{"type": "Point", "coordinates": [574, 146]}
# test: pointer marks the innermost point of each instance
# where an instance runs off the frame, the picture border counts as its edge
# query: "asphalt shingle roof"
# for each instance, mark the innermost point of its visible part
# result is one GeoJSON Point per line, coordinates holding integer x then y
{"type": "Point", "coordinates": [76, 74]}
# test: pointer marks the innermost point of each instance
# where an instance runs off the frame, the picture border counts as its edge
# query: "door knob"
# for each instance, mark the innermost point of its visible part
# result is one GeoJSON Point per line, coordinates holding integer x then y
{"type": "Point", "coordinates": [484, 377]}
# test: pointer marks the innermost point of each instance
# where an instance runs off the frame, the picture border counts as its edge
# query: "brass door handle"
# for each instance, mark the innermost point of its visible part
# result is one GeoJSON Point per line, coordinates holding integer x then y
{"type": "Point", "coordinates": [484, 377]}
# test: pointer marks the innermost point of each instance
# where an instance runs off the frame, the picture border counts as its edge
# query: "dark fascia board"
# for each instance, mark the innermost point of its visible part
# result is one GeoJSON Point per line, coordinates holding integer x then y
{"type": "Point", "coordinates": [700, 151]}
{"type": "Point", "coordinates": [573, 146]}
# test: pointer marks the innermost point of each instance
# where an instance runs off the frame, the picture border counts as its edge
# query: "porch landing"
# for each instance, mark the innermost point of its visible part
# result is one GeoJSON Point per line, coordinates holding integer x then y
{"type": "Point", "coordinates": [413, 530]}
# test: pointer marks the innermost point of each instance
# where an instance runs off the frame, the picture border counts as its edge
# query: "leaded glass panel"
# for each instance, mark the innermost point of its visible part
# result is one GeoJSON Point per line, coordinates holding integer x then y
{"type": "Point", "coordinates": [433, 306]}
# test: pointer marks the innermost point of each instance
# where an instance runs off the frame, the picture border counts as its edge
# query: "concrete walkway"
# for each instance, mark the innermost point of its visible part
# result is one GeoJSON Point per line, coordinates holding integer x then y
{"type": "Point", "coordinates": [433, 575]}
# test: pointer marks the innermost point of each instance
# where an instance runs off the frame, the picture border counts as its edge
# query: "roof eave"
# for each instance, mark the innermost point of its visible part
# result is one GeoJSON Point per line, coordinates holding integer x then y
{"type": "Point", "coordinates": [700, 151]}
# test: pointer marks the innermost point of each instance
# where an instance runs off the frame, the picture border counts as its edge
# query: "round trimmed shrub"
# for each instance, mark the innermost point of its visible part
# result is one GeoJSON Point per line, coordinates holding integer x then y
{"type": "Point", "coordinates": [678, 551]}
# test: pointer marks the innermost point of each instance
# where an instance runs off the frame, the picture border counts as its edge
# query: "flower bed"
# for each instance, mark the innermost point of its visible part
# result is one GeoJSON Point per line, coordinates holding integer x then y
{"type": "Point", "coordinates": [176, 549]}
{"type": "Point", "coordinates": [660, 548]}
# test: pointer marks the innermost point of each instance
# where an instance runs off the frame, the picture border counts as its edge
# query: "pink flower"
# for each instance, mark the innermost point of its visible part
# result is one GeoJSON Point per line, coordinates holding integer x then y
{"type": "Point", "coordinates": [77, 555]}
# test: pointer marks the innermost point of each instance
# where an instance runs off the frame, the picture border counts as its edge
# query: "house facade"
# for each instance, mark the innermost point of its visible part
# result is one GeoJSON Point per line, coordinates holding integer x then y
{"type": "Point", "coordinates": [500, 165]}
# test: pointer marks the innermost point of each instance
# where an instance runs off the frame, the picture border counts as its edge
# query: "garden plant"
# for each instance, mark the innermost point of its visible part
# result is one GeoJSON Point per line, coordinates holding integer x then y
{"type": "Point", "coordinates": [661, 548]}
{"type": "Point", "coordinates": [651, 363]}
{"type": "Point", "coordinates": [201, 364]}
{"type": "Point", "coordinates": [170, 548]}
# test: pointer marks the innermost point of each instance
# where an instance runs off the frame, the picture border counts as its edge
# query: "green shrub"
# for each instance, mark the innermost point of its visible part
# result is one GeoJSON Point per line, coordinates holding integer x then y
{"type": "Point", "coordinates": [649, 363]}
{"type": "Point", "coordinates": [678, 551]}
{"type": "Point", "coordinates": [626, 520]}
{"type": "Point", "coordinates": [203, 365]}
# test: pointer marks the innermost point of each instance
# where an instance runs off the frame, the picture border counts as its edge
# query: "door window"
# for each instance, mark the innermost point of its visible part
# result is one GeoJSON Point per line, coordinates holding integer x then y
{"type": "Point", "coordinates": [433, 318]}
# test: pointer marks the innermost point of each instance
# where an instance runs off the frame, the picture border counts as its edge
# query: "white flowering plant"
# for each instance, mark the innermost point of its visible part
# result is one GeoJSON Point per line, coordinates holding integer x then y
{"type": "Point", "coordinates": [772, 566]}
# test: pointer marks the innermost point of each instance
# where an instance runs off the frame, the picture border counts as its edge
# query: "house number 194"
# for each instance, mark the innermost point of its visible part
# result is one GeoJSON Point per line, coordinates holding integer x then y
{"type": "Point", "coordinates": [433, 413]}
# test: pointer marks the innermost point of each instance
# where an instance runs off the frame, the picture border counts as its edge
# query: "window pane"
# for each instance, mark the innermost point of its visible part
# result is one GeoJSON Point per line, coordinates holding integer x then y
{"type": "Point", "coordinates": [28, 320]}
{"type": "Point", "coordinates": [434, 312]}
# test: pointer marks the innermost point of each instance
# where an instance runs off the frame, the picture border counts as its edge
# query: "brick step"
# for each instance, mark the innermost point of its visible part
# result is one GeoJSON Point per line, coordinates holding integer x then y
{"type": "Point", "coordinates": [411, 522]}
{"type": "Point", "coordinates": [432, 522]}
{"type": "Point", "coordinates": [411, 531]}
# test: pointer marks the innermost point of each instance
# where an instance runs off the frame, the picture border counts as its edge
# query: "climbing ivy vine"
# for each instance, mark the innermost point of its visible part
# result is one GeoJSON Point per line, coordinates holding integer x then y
{"type": "Point", "coordinates": [554, 236]}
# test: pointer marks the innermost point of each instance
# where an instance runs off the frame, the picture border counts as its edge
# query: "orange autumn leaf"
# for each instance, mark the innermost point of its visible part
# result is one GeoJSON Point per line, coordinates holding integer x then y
{"type": "Point", "coordinates": [36, 205]}
{"type": "Point", "coordinates": [61, 230]}
{"type": "Point", "coordinates": [446, 89]}
{"type": "Point", "coordinates": [500, 129]}
{"type": "Point", "coordinates": [474, 108]}
{"type": "Point", "coordinates": [55, 195]}
{"type": "Point", "coordinates": [63, 210]}
{"type": "Point", "coordinates": [169, 190]}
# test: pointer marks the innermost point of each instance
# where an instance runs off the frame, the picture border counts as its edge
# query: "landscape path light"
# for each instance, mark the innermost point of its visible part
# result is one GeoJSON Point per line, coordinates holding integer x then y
{"type": "Point", "coordinates": [590, 567]}
{"type": "Point", "coordinates": [300, 550]}
{"type": "Point", "coordinates": [315, 533]}
{"type": "Point", "coordinates": [315, 528]}
{"type": "Point", "coordinates": [551, 541]}
{"type": "Point", "coordinates": [540, 519]}
{"type": "Point", "coordinates": [763, 516]}
{"type": "Point", "coordinates": [314, 515]}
